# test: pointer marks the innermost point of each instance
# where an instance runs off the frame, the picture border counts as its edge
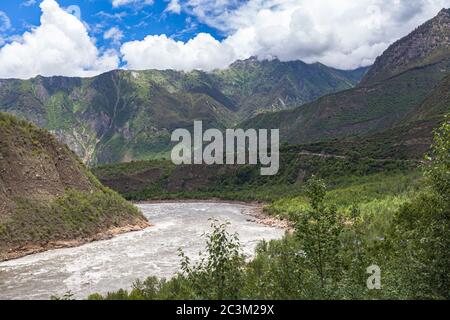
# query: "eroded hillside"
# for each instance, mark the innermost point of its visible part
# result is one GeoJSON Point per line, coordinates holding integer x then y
{"type": "Point", "coordinates": [47, 196]}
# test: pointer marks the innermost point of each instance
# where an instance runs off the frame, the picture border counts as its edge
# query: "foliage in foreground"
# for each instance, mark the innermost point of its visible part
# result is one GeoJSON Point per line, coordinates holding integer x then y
{"type": "Point", "coordinates": [328, 254]}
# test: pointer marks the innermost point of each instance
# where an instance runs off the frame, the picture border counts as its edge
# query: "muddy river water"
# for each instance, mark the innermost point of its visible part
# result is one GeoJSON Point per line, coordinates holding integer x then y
{"type": "Point", "coordinates": [113, 264]}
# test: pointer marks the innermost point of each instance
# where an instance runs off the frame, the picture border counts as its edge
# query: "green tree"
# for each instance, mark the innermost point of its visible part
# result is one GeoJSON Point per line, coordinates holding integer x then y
{"type": "Point", "coordinates": [438, 169]}
{"type": "Point", "coordinates": [219, 274]}
{"type": "Point", "coordinates": [275, 272]}
{"type": "Point", "coordinates": [421, 230]}
{"type": "Point", "coordinates": [318, 232]}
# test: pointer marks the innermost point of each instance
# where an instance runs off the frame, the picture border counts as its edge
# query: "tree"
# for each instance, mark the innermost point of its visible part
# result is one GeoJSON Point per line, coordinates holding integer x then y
{"type": "Point", "coordinates": [220, 274]}
{"type": "Point", "coordinates": [421, 231]}
{"type": "Point", "coordinates": [318, 232]}
{"type": "Point", "coordinates": [438, 170]}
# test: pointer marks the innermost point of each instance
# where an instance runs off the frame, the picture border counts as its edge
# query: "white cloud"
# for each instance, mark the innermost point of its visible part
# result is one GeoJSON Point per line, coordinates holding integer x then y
{"type": "Point", "coordinates": [159, 52]}
{"type": "Point", "coordinates": [5, 23]}
{"type": "Point", "coordinates": [339, 33]}
{"type": "Point", "coordinates": [28, 3]}
{"type": "Point", "coordinates": [60, 45]}
{"type": "Point", "coordinates": [215, 13]}
{"type": "Point", "coordinates": [118, 3]}
{"type": "Point", "coordinates": [174, 7]}
{"type": "Point", "coordinates": [114, 34]}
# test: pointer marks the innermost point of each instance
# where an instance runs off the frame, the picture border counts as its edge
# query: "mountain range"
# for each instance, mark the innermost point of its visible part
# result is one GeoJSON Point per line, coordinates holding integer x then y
{"type": "Point", "coordinates": [405, 84]}
{"type": "Point", "coordinates": [124, 115]}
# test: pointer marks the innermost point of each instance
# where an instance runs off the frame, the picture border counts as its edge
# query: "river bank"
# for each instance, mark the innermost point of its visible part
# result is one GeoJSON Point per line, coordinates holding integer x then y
{"type": "Point", "coordinates": [109, 265]}
{"type": "Point", "coordinates": [27, 250]}
{"type": "Point", "coordinates": [255, 211]}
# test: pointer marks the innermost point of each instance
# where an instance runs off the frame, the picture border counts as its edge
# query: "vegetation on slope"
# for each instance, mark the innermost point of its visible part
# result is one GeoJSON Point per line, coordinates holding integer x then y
{"type": "Point", "coordinates": [48, 196]}
{"type": "Point", "coordinates": [129, 115]}
{"type": "Point", "coordinates": [262, 86]}
{"type": "Point", "coordinates": [428, 44]}
{"type": "Point", "coordinates": [436, 105]}
{"type": "Point", "coordinates": [359, 112]}
{"type": "Point", "coordinates": [328, 255]}
{"type": "Point", "coordinates": [160, 179]}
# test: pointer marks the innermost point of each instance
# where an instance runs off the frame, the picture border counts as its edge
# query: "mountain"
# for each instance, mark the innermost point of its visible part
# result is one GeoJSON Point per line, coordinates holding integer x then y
{"type": "Point", "coordinates": [127, 115]}
{"type": "Point", "coordinates": [48, 198]}
{"type": "Point", "coordinates": [122, 115]}
{"type": "Point", "coordinates": [380, 102]}
{"type": "Point", "coordinates": [261, 86]}
{"type": "Point", "coordinates": [435, 105]}
{"type": "Point", "coordinates": [428, 44]}
{"type": "Point", "coordinates": [411, 139]}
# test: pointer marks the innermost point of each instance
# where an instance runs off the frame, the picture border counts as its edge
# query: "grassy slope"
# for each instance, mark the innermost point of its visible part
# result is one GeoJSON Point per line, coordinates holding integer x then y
{"type": "Point", "coordinates": [409, 140]}
{"type": "Point", "coordinates": [47, 195]}
{"type": "Point", "coordinates": [262, 86]}
{"type": "Point", "coordinates": [435, 105]}
{"type": "Point", "coordinates": [359, 111]}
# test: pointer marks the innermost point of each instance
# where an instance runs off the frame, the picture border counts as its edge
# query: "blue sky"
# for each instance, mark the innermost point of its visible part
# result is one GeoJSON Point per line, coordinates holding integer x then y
{"type": "Point", "coordinates": [134, 20]}
{"type": "Point", "coordinates": [88, 37]}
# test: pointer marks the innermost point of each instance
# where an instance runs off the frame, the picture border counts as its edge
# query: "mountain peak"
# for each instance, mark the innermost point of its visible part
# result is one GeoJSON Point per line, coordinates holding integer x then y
{"type": "Point", "coordinates": [427, 44]}
{"type": "Point", "coordinates": [444, 12]}
{"type": "Point", "coordinates": [251, 61]}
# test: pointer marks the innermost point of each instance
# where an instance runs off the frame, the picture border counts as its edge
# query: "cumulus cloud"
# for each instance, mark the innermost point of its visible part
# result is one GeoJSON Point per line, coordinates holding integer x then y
{"type": "Point", "coordinates": [160, 52]}
{"type": "Point", "coordinates": [340, 33]}
{"type": "Point", "coordinates": [74, 10]}
{"type": "Point", "coordinates": [60, 45]}
{"type": "Point", "coordinates": [118, 3]}
{"type": "Point", "coordinates": [216, 13]}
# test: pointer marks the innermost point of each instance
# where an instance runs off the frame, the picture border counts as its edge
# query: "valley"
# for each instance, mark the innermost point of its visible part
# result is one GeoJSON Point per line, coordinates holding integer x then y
{"type": "Point", "coordinates": [363, 180]}
{"type": "Point", "coordinates": [125, 115]}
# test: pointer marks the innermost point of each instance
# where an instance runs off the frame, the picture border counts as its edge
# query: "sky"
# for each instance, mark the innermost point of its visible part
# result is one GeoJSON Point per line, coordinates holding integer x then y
{"type": "Point", "coordinates": [89, 37]}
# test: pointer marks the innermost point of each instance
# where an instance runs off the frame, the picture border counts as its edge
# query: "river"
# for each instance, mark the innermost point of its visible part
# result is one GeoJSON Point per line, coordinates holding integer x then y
{"type": "Point", "coordinates": [109, 265]}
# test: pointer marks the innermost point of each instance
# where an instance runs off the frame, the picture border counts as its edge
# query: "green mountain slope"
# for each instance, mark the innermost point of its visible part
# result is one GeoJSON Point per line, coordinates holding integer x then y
{"type": "Point", "coordinates": [261, 86]}
{"type": "Point", "coordinates": [426, 45]}
{"type": "Point", "coordinates": [48, 198]}
{"type": "Point", "coordinates": [398, 148]}
{"type": "Point", "coordinates": [435, 105]}
{"type": "Point", "coordinates": [127, 115]}
{"type": "Point", "coordinates": [372, 107]}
